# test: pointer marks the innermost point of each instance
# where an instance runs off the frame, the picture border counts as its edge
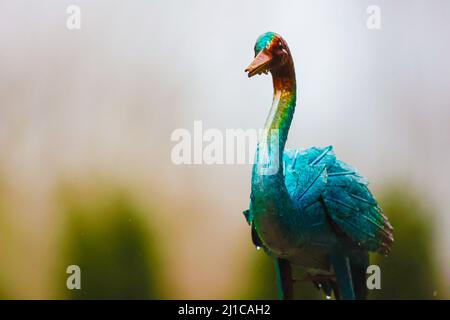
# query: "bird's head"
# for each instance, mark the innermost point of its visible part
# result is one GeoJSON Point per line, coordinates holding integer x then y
{"type": "Point", "coordinates": [271, 54]}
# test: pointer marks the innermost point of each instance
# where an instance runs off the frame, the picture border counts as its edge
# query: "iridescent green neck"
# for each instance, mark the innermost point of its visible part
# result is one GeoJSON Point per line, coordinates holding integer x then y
{"type": "Point", "coordinates": [283, 106]}
{"type": "Point", "coordinates": [278, 122]}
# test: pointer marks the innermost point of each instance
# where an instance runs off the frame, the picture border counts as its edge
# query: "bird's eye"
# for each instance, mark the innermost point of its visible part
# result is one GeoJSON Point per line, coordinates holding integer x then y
{"type": "Point", "coordinates": [280, 45]}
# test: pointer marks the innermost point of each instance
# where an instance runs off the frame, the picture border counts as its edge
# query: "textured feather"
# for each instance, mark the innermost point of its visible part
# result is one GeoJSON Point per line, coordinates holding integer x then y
{"type": "Point", "coordinates": [306, 174]}
{"type": "Point", "coordinates": [354, 209]}
{"type": "Point", "coordinates": [315, 173]}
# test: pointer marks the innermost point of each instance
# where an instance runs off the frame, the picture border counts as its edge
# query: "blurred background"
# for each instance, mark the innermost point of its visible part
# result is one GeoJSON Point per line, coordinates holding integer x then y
{"type": "Point", "coordinates": [86, 117]}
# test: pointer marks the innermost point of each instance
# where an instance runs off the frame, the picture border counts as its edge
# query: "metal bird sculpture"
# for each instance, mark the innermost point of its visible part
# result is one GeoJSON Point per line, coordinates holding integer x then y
{"type": "Point", "coordinates": [309, 210]}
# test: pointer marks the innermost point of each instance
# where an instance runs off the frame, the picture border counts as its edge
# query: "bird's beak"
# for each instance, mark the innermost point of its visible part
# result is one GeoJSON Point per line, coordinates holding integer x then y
{"type": "Point", "coordinates": [260, 64]}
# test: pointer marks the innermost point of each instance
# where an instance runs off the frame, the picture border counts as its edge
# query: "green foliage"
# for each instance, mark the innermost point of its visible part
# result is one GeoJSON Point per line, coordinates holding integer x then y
{"type": "Point", "coordinates": [262, 283]}
{"type": "Point", "coordinates": [107, 238]}
{"type": "Point", "coordinates": [410, 270]}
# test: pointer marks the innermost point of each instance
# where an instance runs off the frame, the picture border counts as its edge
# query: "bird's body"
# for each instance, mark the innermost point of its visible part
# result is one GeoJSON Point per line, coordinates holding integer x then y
{"type": "Point", "coordinates": [308, 209]}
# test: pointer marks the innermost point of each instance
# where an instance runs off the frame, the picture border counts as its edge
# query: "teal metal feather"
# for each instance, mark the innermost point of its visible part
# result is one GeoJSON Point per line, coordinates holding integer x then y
{"type": "Point", "coordinates": [314, 212]}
